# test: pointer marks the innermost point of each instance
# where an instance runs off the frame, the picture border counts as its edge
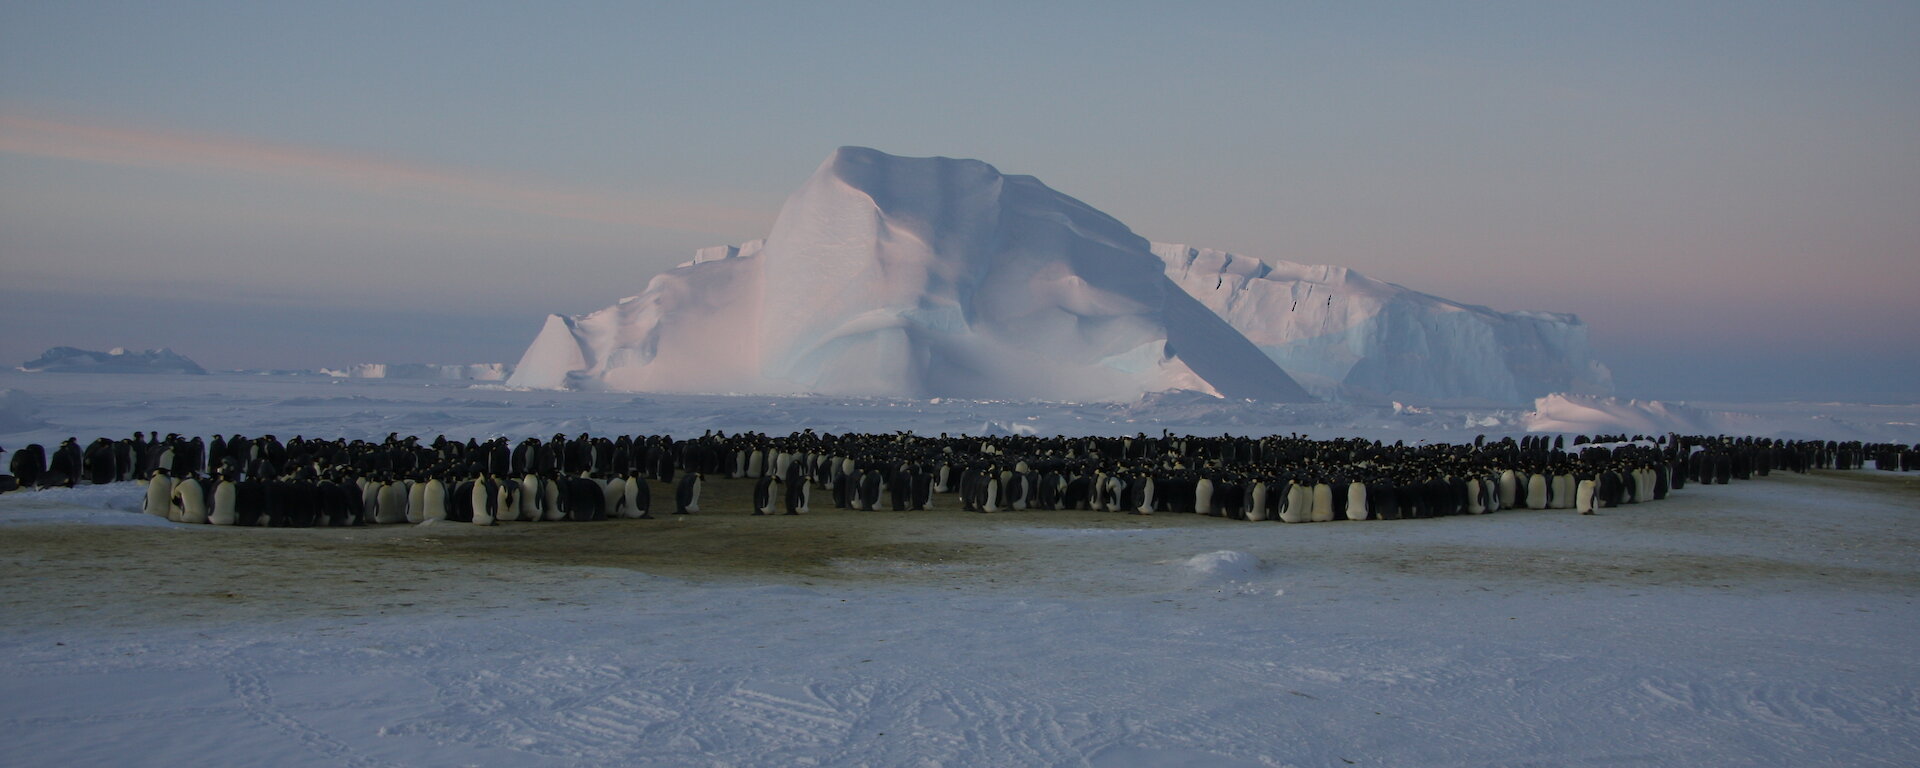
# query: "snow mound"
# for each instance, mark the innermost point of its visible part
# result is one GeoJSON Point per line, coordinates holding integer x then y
{"type": "Point", "coordinates": [1223, 566]}
{"type": "Point", "coordinates": [113, 504]}
{"type": "Point", "coordinates": [914, 277]}
{"type": "Point", "coordinates": [1346, 336]}
{"type": "Point", "coordinates": [116, 360]}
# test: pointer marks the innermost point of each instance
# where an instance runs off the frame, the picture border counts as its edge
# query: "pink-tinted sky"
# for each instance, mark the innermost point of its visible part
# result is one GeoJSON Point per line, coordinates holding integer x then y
{"type": "Point", "coordinates": [1728, 193]}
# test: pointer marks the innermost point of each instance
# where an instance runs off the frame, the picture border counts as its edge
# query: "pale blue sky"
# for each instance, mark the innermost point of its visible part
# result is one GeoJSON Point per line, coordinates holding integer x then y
{"type": "Point", "coordinates": [1728, 193]}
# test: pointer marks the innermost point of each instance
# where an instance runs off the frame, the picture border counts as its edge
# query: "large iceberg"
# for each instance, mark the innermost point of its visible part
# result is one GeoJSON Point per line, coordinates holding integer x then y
{"type": "Point", "coordinates": [914, 277]}
{"type": "Point", "coordinates": [1349, 337]}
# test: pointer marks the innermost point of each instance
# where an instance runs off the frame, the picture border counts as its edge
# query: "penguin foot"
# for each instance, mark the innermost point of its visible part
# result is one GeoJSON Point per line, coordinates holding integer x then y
{"type": "Point", "coordinates": [645, 516]}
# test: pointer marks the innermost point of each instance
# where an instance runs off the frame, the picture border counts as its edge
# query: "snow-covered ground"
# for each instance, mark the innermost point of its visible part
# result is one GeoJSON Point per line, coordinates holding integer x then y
{"type": "Point", "coordinates": [1767, 622]}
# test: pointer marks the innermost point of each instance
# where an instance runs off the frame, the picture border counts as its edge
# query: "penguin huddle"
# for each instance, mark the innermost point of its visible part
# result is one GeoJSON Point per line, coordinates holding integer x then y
{"type": "Point", "coordinates": [301, 482]}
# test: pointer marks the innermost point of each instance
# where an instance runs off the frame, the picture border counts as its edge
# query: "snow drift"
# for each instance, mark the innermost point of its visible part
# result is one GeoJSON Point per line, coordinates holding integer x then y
{"type": "Point", "coordinates": [1349, 337]}
{"type": "Point", "coordinates": [19, 411]}
{"type": "Point", "coordinates": [116, 360]}
{"type": "Point", "coordinates": [1222, 566]}
{"type": "Point", "coordinates": [914, 277]}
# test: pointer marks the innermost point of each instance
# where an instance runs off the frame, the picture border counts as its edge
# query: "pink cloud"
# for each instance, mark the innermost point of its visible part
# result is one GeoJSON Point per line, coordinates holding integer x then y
{"type": "Point", "coordinates": [364, 173]}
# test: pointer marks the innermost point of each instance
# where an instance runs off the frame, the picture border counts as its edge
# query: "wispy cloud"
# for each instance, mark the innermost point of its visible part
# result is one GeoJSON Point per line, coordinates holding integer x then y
{"type": "Point", "coordinates": [369, 174]}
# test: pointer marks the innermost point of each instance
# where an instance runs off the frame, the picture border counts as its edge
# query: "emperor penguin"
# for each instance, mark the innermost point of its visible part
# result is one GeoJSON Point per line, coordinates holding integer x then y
{"type": "Point", "coordinates": [1019, 490]}
{"type": "Point", "coordinates": [1145, 482]}
{"type": "Point", "coordinates": [922, 489]}
{"type": "Point", "coordinates": [1606, 492]}
{"type": "Point", "coordinates": [1356, 500]}
{"type": "Point", "coordinates": [686, 494]}
{"type": "Point", "coordinates": [798, 488]}
{"type": "Point", "coordinates": [1257, 510]}
{"type": "Point", "coordinates": [614, 490]}
{"type": "Point", "coordinates": [506, 499]}
{"type": "Point", "coordinates": [427, 501]}
{"type": "Point", "coordinates": [506, 508]}
{"type": "Point", "coordinates": [369, 499]}
{"type": "Point", "coordinates": [756, 464]}
{"type": "Point", "coordinates": [863, 489]}
{"type": "Point", "coordinates": [871, 483]}
{"type": "Point", "coordinates": [393, 502]}
{"type": "Point", "coordinates": [639, 502]}
{"type": "Point", "coordinates": [586, 500]}
{"type": "Point", "coordinates": [483, 499]}
{"type": "Point", "coordinates": [1583, 497]}
{"type": "Point", "coordinates": [1203, 497]}
{"type": "Point", "coordinates": [1231, 495]}
{"type": "Point", "coordinates": [159, 494]}
{"type": "Point", "coordinates": [531, 498]}
{"type": "Point", "coordinates": [968, 486]}
{"type": "Point", "coordinates": [224, 511]}
{"type": "Point", "coordinates": [991, 503]}
{"type": "Point", "coordinates": [189, 502]}
{"type": "Point", "coordinates": [1383, 500]}
{"type": "Point", "coordinates": [1536, 491]}
{"type": "Point", "coordinates": [763, 495]}
{"type": "Point", "coordinates": [417, 502]}
{"type": "Point", "coordinates": [551, 489]}
{"type": "Point", "coordinates": [1322, 503]}
{"type": "Point", "coordinates": [899, 487]}
{"type": "Point", "coordinates": [799, 496]}
{"type": "Point", "coordinates": [1562, 494]}
{"type": "Point", "coordinates": [1509, 488]}
{"type": "Point", "coordinates": [1476, 501]}
{"type": "Point", "coordinates": [1299, 508]}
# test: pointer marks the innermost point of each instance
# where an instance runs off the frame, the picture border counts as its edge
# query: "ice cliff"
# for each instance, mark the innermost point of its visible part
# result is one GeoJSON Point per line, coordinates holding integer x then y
{"type": "Point", "coordinates": [1346, 336]}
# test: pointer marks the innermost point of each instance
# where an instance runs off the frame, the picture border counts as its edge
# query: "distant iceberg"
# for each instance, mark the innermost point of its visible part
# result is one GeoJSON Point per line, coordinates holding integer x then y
{"type": "Point", "coordinates": [454, 372]}
{"type": "Point", "coordinates": [116, 360]}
